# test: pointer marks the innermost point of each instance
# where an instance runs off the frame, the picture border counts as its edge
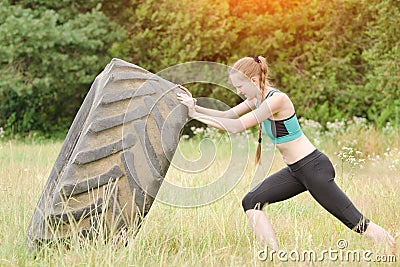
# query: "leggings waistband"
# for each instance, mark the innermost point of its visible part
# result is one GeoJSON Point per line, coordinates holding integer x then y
{"type": "Point", "coordinates": [300, 163]}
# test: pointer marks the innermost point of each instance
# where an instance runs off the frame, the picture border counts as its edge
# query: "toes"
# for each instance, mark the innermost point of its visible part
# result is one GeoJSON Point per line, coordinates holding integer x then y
{"type": "Point", "coordinates": [391, 240]}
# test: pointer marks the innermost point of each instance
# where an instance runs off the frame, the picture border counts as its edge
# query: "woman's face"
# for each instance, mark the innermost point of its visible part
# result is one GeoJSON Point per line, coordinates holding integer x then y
{"type": "Point", "coordinates": [245, 86]}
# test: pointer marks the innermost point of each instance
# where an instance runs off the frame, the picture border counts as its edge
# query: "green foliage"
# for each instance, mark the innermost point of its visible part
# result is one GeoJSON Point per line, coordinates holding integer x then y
{"type": "Point", "coordinates": [383, 56]}
{"type": "Point", "coordinates": [164, 33]}
{"type": "Point", "coordinates": [314, 51]}
{"type": "Point", "coordinates": [48, 59]}
{"type": "Point", "coordinates": [335, 58]}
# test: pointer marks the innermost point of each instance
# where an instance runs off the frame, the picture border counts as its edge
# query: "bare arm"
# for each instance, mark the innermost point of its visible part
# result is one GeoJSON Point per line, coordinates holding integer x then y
{"type": "Point", "coordinates": [235, 125]}
{"type": "Point", "coordinates": [232, 113]}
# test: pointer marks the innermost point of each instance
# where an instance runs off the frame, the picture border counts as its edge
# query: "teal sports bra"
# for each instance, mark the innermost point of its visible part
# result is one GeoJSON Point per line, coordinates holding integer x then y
{"type": "Point", "coordinates": [281, 131]}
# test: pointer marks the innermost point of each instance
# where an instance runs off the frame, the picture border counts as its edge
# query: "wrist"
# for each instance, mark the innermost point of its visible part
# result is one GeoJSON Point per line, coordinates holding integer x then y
{"type": "Point", "coordinates": [192, 112]}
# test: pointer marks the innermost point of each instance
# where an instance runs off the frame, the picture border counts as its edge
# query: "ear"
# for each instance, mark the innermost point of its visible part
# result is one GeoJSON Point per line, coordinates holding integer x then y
{"type": "Point", "coordinates": [254, 80]}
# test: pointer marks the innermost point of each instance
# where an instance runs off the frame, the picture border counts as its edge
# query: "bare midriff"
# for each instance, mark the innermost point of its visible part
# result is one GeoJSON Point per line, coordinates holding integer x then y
{"type": "Point", "coordinates": [295, 150]}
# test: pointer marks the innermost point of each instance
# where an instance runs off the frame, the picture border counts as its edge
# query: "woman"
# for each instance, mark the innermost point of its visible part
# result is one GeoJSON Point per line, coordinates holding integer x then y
{"type": "Point", "coordinates": [307, 168]}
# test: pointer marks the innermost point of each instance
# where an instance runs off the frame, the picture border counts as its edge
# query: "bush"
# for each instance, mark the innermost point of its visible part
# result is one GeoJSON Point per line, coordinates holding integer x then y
{"type": "Point", "coordinates": [49, 56]}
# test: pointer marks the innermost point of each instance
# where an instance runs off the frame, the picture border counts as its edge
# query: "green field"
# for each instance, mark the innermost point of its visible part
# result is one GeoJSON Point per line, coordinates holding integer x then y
{"type": "Point", "coordinates": [367, 167]}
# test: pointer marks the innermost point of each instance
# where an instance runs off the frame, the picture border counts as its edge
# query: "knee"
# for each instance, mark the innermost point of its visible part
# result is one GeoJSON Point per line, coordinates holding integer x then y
{"type": "Point", "coordinates": [249, 202]}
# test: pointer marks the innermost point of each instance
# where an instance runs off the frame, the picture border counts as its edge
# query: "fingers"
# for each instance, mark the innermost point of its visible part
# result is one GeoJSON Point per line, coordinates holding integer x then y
{"type": "Point", "coordinates": [186, 100]}
{"type": "Point", "coordinates": [183, 96]}
{"type": "Point", "coordinates": [185, 90]}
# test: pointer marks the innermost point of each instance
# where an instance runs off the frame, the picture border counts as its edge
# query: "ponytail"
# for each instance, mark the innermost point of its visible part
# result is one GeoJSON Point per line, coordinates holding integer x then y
{"type": "Point", "coordinates": [263, 81]}
{"type": "Point", "coordinates": [258, 152]}
{"type": "Point", "coordinates": [255, 67]}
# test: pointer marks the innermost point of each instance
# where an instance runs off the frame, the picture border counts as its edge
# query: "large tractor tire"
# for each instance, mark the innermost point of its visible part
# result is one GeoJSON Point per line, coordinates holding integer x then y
{"type": "Point", "coordinates": [114, 158]}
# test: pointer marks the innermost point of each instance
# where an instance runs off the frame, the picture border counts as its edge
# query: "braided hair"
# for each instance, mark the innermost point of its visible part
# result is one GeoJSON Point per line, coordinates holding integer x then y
{"type": "Point", "coordinates": [255, 67]}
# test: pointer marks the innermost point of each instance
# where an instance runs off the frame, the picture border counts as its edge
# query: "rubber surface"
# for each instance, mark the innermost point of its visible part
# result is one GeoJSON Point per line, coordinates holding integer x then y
{"type": "Point", "coordinates": [114, 158]}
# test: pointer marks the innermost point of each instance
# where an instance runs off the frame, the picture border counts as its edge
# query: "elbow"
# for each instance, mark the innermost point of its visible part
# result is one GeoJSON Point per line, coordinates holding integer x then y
{"type": "Point", "coordinates": [229, 114]}
{"type": "Point", "coordinates": [237, 129]}
{"type": "Point", "coordinates": [225, 114]}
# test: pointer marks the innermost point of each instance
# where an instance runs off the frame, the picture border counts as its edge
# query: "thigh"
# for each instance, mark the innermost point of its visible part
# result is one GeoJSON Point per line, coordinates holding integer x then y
{"type": "Point", "coordinates": [277, 187]}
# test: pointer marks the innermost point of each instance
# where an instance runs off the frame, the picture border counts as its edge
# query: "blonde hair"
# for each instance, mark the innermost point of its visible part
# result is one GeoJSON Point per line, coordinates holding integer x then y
{"type": "Point", "coordinates": [254, 67]}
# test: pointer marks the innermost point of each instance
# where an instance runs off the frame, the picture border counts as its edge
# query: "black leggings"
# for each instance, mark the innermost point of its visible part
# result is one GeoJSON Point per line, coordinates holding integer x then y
{"type": "Point", "coordinates": [316, 174]}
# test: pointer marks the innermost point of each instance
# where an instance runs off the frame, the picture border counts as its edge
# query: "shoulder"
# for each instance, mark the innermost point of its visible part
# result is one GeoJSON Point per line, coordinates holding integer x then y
{"type": "Point", "coordinates": [278, 102]}
{"type": "Point", "coordinates": [277, 95]}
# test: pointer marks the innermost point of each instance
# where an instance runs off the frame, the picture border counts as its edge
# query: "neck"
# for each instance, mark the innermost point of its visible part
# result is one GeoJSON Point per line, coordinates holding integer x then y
{"type": "Point", "coordinates": [261, 96]}
{"type": "Point", "coordinates": [266, 91]}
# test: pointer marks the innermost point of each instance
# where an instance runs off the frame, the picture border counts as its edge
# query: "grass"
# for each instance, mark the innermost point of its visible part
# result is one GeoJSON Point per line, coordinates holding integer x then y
{"type": "Point", "coordinates": [215, 234]}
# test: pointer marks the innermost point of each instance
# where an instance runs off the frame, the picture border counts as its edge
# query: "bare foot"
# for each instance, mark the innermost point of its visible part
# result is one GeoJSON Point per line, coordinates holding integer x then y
{"type": "Point", "coordinates": [262, 228]}
{"type": "Point", "coordinates": [379, 235]}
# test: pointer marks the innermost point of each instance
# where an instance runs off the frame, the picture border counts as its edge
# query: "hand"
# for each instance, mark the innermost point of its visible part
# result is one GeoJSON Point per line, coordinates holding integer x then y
{"type": "Point", "coordinates": [184, 89]}
{"type": "Point", "coordinates": [188, 101]}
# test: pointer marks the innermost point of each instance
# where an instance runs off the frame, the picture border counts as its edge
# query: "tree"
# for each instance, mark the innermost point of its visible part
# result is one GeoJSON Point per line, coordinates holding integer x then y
{"type": "Point", "coordinates": [383, 57]}
{"type": "Point", "coordinates": [50, 53]}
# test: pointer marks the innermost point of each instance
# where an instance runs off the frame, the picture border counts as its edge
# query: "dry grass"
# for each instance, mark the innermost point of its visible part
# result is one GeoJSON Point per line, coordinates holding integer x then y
{"type": "Point", "coordinates": [216, 234]}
